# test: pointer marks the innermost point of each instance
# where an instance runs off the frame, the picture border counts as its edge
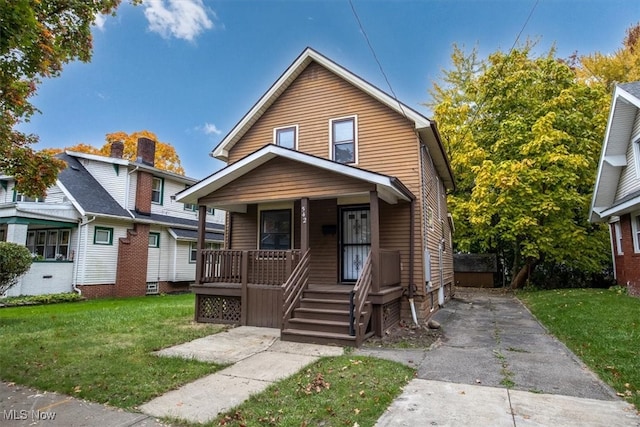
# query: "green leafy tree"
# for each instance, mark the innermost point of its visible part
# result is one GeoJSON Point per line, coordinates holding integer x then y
{"type": "Point", "coordinates": [15, 260]}
{"type": "Point", "coordinates": [621, 66]}
{"type": "Point", "coordinates": [524, 138]}
{"type": "Point", "coordinates": [36, 39]}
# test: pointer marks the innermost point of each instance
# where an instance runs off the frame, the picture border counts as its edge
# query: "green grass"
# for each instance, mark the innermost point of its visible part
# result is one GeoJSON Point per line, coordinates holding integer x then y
{"type": "Point", "coordinates": [602, 327]}
{"type": "Point", "coordinates": [100, 350]}
{"type": "Point", "coordinates": [334, 391]}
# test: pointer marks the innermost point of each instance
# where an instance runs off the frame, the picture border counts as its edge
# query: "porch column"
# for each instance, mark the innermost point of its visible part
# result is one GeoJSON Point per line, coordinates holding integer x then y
{"type": "Point", "coordinates": [304, 224]}
{"type": "Point", "coordinates": [202, 230]}
{"type": "Point", "coordinates": [374, 204]}
{"type": "Point", "coordinates": [17, 233]}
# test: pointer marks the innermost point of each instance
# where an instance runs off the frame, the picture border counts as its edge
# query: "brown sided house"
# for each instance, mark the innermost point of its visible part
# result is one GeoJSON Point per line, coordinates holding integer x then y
{"type": "Point", "coordinates": [337, 222]}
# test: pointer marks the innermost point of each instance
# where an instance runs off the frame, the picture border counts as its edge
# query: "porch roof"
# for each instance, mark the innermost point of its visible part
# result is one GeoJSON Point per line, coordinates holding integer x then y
{"type": "Point", "coordinates": [390, 189]}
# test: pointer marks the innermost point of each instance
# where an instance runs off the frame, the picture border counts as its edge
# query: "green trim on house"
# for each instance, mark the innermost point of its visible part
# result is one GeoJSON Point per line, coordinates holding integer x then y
{"type": "Point", "coordinates": [4, 184]}
{"type": "Point", "coordinates": [116, 167]}
{"type": "Point", "coordinates": [34, 221]}
{"type": "Point", "coordinates": [157, 239]}
{"type": "Point", "coordinates": [95, 234]}
{"type": "Point", "coordinates": [161, 201]}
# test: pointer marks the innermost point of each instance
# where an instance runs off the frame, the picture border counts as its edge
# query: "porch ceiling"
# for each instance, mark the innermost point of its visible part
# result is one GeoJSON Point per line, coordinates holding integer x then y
{"type": "Point", "coordinates": [274, 173]}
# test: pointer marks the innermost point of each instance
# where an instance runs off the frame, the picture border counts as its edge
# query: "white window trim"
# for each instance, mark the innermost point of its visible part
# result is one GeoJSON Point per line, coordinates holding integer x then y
{"type": "Point", "coordinates": [355, 137]}
{"type": "Point", "coordinates": [635, 230]}
{"type": "Point", "coordinates": [295, 138]}
{"type": "Point", "coordinates": [160, 190]}
{"type": "Point", "coordinates": [635, 142]}
{"type": "Point", "coordinates": [617, 229]}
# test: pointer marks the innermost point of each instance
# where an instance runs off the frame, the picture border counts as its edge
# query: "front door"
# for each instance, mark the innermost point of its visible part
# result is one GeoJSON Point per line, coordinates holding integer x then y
{"type": "Point", "coordinates": [355, 241]}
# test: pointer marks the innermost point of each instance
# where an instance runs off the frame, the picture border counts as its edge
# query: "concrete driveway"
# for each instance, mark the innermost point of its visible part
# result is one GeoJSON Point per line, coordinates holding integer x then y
{"type": "Point", "coordinates": [497, 366]}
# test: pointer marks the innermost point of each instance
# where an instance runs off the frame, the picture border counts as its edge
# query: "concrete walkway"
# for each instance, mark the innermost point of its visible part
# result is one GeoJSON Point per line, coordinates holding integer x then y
{"type": "Point", "coordinates": [259, 358]}
{"type": "Point", "coordinates": [490, 341]}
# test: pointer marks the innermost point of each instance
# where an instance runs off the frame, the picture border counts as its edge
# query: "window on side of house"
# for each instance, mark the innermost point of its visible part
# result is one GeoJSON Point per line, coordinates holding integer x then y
{"type": "Point", "coordinates": [635, 229]}
{"type": "Point", "coordinates": [49, 244]}
{"type": "Point", "coordinates": [617, 231]}
{"type": "Point", "coordinates": [19, 197]}
{"type": "Point", "coordinates": [193, 249]}
{"type": "Point", "coordinates": [275, 229]}
{"type": "Point", "coordinates": [343, 135]}
{"type": "Point", "coordinates": [157, 188]}
{"type": "Point", "coordinates": [103, 236]}
{"type": "Point", "coordinates": [286, 137]}
{"type": "Point", "coordinates": [154, 240]}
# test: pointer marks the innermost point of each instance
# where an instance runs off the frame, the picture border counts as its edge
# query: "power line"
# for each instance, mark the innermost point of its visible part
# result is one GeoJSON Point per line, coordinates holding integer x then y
{"type": "Point", "coordinates": [373, 52]}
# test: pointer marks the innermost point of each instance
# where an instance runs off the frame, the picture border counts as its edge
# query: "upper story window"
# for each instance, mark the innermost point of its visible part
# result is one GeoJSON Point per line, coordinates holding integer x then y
{"type": "Point", "coordinates": [156, 190]}
{"type": "Point", "coordinates": [286, 137]}
{"type": "Point", "coordinates": [19, 197]}
{"type": "Point", "coordinates": [343, 135]}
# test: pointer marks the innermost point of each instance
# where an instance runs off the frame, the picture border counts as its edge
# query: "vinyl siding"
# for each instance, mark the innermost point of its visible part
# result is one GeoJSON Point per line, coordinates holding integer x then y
{"type": "Point", "coordinates": [282, 179]}
{"type": "Point", "coordinates": [387, 142]}
{"type": "Point", "coordinates": [324, 247]}
{"type": "Point", "coordinates": [99, 266]}
{"type": "Point", "coordinates": [629, 179]}
{"type": "Point", "coordinates": [245, 229]}
{"type": "Point", "coordinates": [107, 177]}
{"type": "Point", "coordinates": [185, 271]}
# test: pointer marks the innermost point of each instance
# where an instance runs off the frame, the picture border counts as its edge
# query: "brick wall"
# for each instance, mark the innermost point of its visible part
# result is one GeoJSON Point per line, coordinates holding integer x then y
{"type": "Point", "coordinates": [98, 291]}
{"type": "Point", "coordinates": [133, 250]}
{"type": "Point", "coordinates": [627, 264]}
{"type": "Point", "coordinates": [143, 192]}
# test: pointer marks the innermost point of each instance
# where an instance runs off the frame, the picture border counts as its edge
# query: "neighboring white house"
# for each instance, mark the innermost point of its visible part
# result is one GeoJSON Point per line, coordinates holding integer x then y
{"type": "Point", "coordinates": [616, 197]}
{"type": "Point", "coordinates": [108, 227]}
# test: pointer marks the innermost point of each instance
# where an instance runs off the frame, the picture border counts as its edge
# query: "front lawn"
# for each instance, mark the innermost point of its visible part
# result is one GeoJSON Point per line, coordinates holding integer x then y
{"type": "Point", "coordinates": [334, 391]}
{"type": "Point", "coordinates": [100, 350]}
{"type": "Point", "coordinates": [602, 327]}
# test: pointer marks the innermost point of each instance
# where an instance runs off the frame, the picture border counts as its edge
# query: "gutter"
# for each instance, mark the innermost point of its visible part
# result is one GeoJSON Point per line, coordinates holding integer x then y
{"type": "Point", "coordinates": [80, 227]}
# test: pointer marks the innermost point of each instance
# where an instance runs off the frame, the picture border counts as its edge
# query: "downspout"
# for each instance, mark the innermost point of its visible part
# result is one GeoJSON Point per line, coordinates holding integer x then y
{"type": "Point", "coordinates": [412, 216]}
{"type": "Point", "coordinates": [80, 227]}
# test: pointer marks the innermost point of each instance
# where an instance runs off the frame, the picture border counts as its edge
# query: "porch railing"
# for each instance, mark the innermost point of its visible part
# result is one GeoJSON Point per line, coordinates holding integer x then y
{"type": "Point", "coordinates": [264, 267]}
{"type": "Point", "coordinates": [358, 299]}
{"type": "Point", "coordinates": [294, 287]}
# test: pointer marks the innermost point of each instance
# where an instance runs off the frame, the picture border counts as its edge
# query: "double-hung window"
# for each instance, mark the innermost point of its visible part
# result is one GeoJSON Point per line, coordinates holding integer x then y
{"type": "Point", "coordinates": [344, 139]}
{"type": "Point", "coordinates": [275, 229]}
{"type": "Point", "coordinates": [156, 190]}
{"type": "Point", "coordinates": [617, 230]}
{"type": "Point", "coordinates": [193, 249]}
{"type": "Point", "coordinates": [286, 137]}
{"type": "Point", "coordinates": [49, 244]}
{"type": "Point", "coordinates": [635, 229]}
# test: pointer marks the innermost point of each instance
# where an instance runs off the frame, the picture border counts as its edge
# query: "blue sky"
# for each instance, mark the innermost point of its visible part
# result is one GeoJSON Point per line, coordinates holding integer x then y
{"type": "Point", "coordinates": [188, 70]}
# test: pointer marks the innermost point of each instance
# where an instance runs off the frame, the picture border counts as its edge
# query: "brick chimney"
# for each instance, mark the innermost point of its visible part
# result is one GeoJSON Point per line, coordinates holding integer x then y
{"type": "Point", "coordinates": [145, 155]}
{"type": "Point", "coordinates": [146, 151]}
{"type": "Point", "coordinates": [117, 149]}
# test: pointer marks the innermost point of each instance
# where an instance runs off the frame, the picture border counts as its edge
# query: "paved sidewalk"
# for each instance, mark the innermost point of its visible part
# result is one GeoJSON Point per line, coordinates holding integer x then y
{"type": "Point", "coordinates": [259, 358]}
{"type": "Point", "coordinates": [491, 340]}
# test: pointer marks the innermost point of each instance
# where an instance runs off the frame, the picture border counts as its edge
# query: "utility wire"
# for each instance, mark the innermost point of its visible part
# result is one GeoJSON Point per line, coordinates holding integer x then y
{"type": "Point", "coordinates": [373, 52]}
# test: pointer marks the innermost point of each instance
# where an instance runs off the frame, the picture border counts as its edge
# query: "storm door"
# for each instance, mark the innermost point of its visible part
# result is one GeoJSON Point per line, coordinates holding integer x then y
{"type": "Point", "coordinates": [355, 241]}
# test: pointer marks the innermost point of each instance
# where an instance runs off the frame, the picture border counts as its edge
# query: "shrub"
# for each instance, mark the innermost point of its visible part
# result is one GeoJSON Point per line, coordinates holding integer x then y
{"type": "Point", "coordinates": [15, 260]}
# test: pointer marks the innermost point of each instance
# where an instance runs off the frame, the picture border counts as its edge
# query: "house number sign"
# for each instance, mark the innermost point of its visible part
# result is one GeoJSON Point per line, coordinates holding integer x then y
{"type": "Point", "coordinates": [303, 213]}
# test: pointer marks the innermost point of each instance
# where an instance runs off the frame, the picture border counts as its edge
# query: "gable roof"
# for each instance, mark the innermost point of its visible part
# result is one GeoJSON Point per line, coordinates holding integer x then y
{"type": "Point", "coordinates": [426, 128]}
{"type": "Point", "coordinates": [84, 191]}
{"type": "Point", "coordinates": [389, 188]}
{"type": "Point", "coordinates": [624, 109]}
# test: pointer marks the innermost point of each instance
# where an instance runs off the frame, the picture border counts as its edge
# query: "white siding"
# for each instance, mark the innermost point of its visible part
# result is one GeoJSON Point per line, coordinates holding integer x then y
{"type": "Point", "coordinates": [629, 180]}
{"type": "Point", "coordinates": [6, 196]}
{"type": "Point", "coordinates": [159, 264]}
{"type": "Point", "coordinates": [185, 271]}
{"type": "Point", "coordinates": [55, 195]}
{"type": "Point", "coordinates": [115, 182]}
{"type": "Point", "coordinates": [99, 267]}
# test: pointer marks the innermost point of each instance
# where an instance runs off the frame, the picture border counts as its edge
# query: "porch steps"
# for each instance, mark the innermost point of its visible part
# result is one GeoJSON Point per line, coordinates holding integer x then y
{"type": "Point", "coordinates": [321, 318]}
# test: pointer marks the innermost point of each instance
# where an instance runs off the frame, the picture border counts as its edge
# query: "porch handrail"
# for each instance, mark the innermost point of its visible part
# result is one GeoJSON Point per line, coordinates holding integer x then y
{"type": "Point", "coordinates": [264, 267]}
{"type": "Point", "coordinates": [358, 298]}
{"type": "Point", "coordinates": [294, 286]}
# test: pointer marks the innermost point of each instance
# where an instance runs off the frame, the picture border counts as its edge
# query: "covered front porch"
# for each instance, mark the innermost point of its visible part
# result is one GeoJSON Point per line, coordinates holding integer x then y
{"type": "Point", "coordinates": [324, 254]}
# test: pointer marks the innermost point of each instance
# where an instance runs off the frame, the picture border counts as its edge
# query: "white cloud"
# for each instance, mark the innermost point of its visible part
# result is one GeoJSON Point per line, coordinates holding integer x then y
{"type": "Point", "coordinates": [100, 21]}
{"type": "Point", "coordinates": [211, 129]}
{"type": "Point", "coordinates": [182, 19]}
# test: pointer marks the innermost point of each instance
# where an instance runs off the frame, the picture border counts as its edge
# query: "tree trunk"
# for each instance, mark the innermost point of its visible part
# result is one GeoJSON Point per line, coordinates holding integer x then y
{"type": "Point", "coordinates": [523, 275]}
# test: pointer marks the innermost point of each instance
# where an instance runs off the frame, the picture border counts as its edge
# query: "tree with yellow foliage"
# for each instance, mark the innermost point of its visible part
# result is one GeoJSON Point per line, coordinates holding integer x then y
{"type": "Point", "coordinates": [166, 157]}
